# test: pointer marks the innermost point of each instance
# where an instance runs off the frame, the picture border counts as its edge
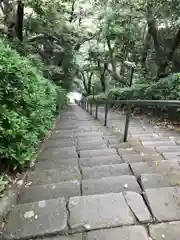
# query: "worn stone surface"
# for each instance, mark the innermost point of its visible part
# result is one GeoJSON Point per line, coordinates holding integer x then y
{"type": "Point", "coordinates": [169, 231]}
{"type": "Point", "coordinates": [164, 149]}
{"type": "Point", "coordinates": [60, 144]}
{"type": "Point", "coordinates": [97, 153]}
{"type": "Point", "coordinates": [132, 157]}
{"type": "Point", "coordinates": [89, 134]}
{"type": "Point", "coordinates": [169, 179]}
{"type": "Point", "coordinates": [158, 143]}
{"type": "Point", "coordinates": [58, 153]}
{"type": "Point", "coordinates": [164, 203]}
{"type": "Point", "coordinates": [99, 211]}
{"type": "Point", "coordinates": [37, 219]}
{"type": "Point", "coordinates": [138, 207]}
{"type": "Point", "coordinates": [105, 171]}
{"type": "Point", "coordinates": [99, 161]}
{"type": "Point", "coordinates": [55, 164]}
{"type": "Point", "coordinates": [171, 155]}
{"type": "Point", "coordinates": [124, 233]}
{"type": "Point", "coordinates": [155, 167]}
{"type": "Point", "coordinates": [68, 237]}
{"type": "Point", "coordinates": [49, 191]}
{"type": "Point", "coordinates": [54, 176]}
{"type": "Point", "coordinates": [91, 145]}
{"type": "Point", "coordinates": [111, 184]}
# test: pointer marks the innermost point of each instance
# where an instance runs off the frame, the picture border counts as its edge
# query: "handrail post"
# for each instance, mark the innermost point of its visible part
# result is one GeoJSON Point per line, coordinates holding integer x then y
{"type": "Point", "coordinates": [127, 122]}
{"type": "Point", "coordinates": [106, 113]}
{"type": "Point", "coordinates": [96, 116]}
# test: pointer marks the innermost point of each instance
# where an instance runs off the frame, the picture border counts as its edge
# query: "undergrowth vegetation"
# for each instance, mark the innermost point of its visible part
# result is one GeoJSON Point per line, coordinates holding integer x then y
{"type": "Point", "coordinates": [28, 104]}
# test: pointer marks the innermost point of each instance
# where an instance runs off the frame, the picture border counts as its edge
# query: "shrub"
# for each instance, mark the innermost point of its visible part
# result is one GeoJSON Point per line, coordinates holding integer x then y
{"type": "Point", "coordinates": [28, 103]}
{"type": "Point", "coordinates": [165, 89]}
{"type": "Point", "coordinates": [101, 96]}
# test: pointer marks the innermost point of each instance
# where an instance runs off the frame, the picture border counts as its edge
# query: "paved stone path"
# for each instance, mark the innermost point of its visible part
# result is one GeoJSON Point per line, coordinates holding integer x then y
{"type": "Point", "coordinates": [87, 185]}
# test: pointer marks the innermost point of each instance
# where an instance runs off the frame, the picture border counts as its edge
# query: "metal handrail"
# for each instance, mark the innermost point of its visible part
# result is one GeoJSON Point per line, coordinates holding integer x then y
{"type": "Point", "coordinates": [129, 103]}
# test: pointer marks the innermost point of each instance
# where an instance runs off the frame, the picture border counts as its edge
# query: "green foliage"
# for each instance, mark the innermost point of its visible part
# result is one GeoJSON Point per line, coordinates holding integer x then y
{"type": "Point", "coordinates": [165, 89]}
{"type": "Point", "coordinates": [28, 103]}
{"type": "Point", "coordinates": [101, 96]}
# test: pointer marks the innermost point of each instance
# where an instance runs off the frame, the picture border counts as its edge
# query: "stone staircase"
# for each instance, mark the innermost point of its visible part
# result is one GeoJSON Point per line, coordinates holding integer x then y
{"type": "Point", "coordinates": [87, 185]}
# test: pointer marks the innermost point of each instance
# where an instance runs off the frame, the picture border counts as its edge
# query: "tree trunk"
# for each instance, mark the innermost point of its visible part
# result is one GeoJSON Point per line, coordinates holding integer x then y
{"type": "Point", "coordinates": [72, 12]}
{"type": "Point", "coordinates": [145, 52]}
{"type": "Point", "coordinates": [20, 20]}
{"type": "Point", "coordinates": [89, 84]}
{"type": "Point", "coordinates": [102, 75]}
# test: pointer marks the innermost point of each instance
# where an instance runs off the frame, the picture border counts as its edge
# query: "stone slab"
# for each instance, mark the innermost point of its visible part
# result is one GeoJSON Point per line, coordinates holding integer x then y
{"type": "Point", "coordinates": [97, 153]}
{"type": "Point", "coordinates": [99, 211]}
{"type": "Point", "coordinates": [39, 177]}
{"type": "Point", "coordinates": [164, 149]}
{"type": "Point", "coordinates": [164, 203]}
{"type": "Point", "coordinates": [154, 167]}
{"type": "Point", "coordinates": [138, 207]}
{"type": "Point", "coordinates": [110, 185]}
{"type": "Point", "coordinates": [90, 145]}
{"type": "Point", "coordinates": [105, 171]}
{"type": "Point", "coordinates": [89, 134]}
{"type": "Point", "coordinates": [36, 219]}
{"type": "Point", "coordinates": [171, 155]}
{"type": "Point", "coordinates": [60, 144]}
{"type": "Point", "coordinates": [58, 153]}
{"type": "Point", "coordinates": [124, 233]}
{"type": "Point", "coordinates": [55, 164]}
{"type": "Point", "coordinates": [169, 231]}
{"type": "Point", "coordinates": [158, 143]}
{"type": "Point", "coordinates": [99, 161]}
{"type": "Point", "coordinates": [68, 237]}
{"type": "Point", "coordinates": [132, 157]}
{"type": "Point", "coordinates": [44, 192]}
{"type": "Point", "coordinates": [157, 180]}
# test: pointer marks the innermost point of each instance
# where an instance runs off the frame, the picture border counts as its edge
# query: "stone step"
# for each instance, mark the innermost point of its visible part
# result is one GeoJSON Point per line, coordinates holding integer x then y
{"type": "Point", "coordinates": [55, 164]}
{"type": "Point", "coordinates": [156, 180]}
{"type": "Point", "coordinates": [37, 219]}
{"type": "Point", "coordinates": [141, 157]}
{"type": "Point", "coordinates": [91, 145]}
{"type": "Point", "coordinates": [64, 189]}
{"type": "Point", "coordinates": [171, 155]}
{"type": "Point", "coordinates": [99, 161]}
{"type": "Point", "coordinates": [89, 134]}
{"type": "Point", "coordinates": [110, 185]}
{"type": "Point", "coordinates": [39, 177]}
{"type": "Point", "coordinates": [164, 203]}
{"type": "Point", "coordinates": [60, 144]}
{"type": "Point", "coordinates": [158, 143]}
{"type": "Point", "coordinates": [167, 149]}
{"type": "Point", "coordinates": [106, 211]}
{"type": "Point", "coordinates": [105, 171]}
{"type": "Point", "coordinates": [86, 154]}
{"type": "Point", "coordinates": [139, 168]}
{"type": "Point", "coordinates": [169, 230]}
{"type": "Point", "coordinates": [126, 233]}
{"type": "Point", "coordinates": [58, 153]}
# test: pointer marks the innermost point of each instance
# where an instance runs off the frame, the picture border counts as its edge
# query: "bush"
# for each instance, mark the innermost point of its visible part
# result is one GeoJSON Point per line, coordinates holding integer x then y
{"type": "Point", "coordinates": [101, 96]}
{"type": "Point", "coordinates": [28, 103]}
{"type": "Point", "coordinates": [165, 89]}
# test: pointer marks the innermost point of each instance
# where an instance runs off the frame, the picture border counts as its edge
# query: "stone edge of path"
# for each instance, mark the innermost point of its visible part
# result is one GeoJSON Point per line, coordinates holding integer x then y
{"type": "Point", "coordinates": [11, 194]}
{"type": "Point", "coordinates": [10, 197]}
